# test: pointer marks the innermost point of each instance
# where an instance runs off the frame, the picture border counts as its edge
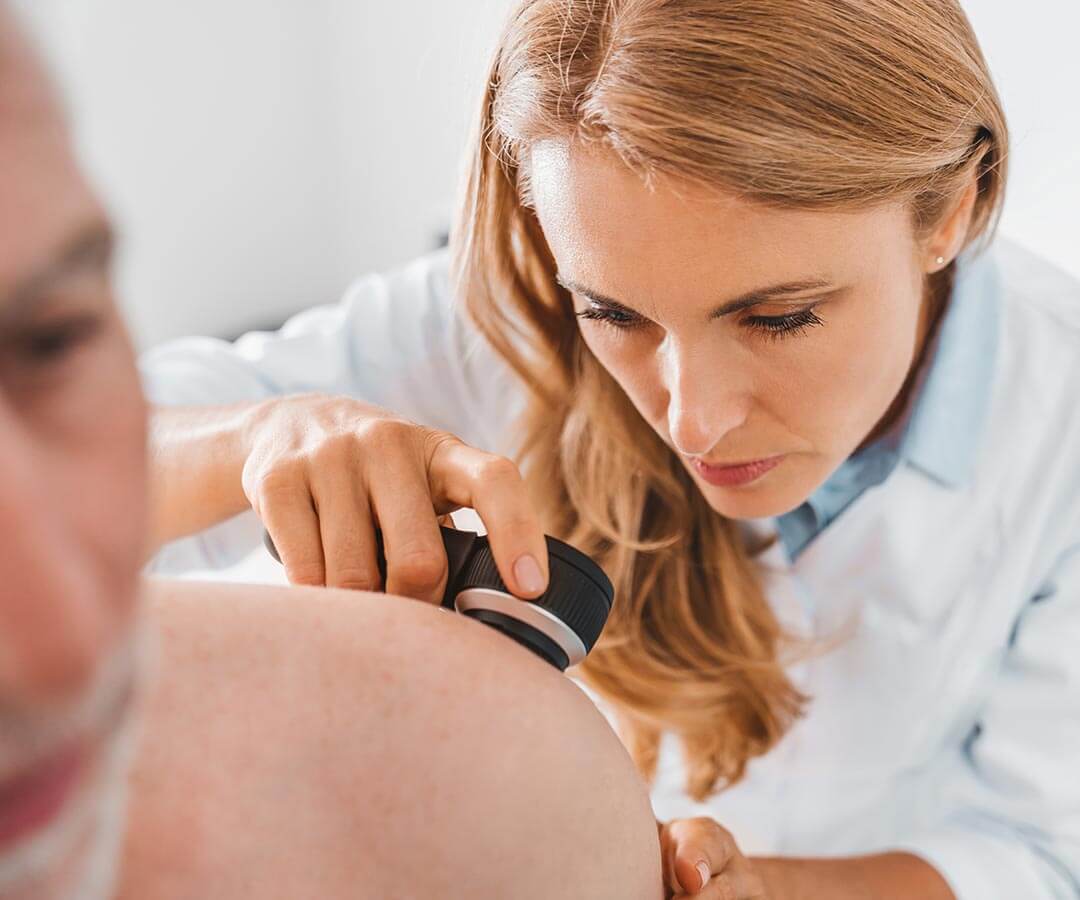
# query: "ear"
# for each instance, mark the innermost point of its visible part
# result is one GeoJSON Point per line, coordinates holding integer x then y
{"type": "Point", "coordinates": [948, 238]}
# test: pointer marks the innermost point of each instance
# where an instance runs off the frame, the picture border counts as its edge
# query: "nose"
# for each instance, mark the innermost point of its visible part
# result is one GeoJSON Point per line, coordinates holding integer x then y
{"type": "Point", "coordinates": [707, 398]}
{"type": "Point", "coordinates": [54, 625]}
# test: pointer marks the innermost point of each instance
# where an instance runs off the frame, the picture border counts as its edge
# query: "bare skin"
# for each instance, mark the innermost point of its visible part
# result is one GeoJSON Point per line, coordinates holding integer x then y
{"type": "Point", "coordinates": [322, 472]}
{"type": "Point", "coordinates": [357, 762]}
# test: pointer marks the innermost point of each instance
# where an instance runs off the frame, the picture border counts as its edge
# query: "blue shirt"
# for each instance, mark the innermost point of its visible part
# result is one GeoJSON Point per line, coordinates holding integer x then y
{"type": "Point", "coordinates": [941, 434]}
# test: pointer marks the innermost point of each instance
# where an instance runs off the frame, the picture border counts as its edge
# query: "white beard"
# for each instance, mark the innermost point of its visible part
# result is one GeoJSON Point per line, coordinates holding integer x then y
{"type": "Point", "coordinates": [77, 857]}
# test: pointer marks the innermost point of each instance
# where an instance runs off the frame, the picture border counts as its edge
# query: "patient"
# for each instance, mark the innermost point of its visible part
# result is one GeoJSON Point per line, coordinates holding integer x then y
{"type": "Point", "coordinates": [289, 744]}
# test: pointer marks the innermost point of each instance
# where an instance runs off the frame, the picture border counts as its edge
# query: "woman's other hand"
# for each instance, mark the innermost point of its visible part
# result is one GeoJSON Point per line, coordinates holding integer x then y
{"type": "Point", "coordinates": [323, 472]}
{"type": "Point", "coordinates": [701, 859]}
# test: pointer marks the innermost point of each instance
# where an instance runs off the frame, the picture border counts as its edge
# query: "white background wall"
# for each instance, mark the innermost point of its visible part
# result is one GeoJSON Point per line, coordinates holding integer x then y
{"type": "Point", "coordinates": [258, 154]}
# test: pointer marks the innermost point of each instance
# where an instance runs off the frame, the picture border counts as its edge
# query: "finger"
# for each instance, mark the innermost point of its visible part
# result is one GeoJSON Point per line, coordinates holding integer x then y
{"type": "Point", "coordinates": [347, 534]}
{"type": "Point", "coordinates": [287, 512]}
{"type": "Point", "coordinates": [702, 848]}
{"type": "Point", "coordinates": [416, 564]}
{"type": "Point", "coordinates": [692, 877]}
{"type": "Point", "coordinates": [736, 885]}
{"type": "Point", "coordinates": [672, 881]}
{"type": "Point", "coordinates": [666, 851]}
{"type": "Point", "coordinates": [492, 485]}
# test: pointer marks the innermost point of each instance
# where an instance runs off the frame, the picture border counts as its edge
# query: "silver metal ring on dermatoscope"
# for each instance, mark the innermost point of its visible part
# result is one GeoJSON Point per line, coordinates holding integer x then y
{"type": "Point", "coordinates": [524, 611]}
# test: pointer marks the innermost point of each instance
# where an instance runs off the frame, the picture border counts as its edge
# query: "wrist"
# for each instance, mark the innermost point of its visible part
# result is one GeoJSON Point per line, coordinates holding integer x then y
{"type": "Point", "coordinates": [771, 876]}
{"type": "Point", "coordinates": [253, 418]}
{"type": "Point", "coordinates": [198, 458]}
{"type": "Point", "coordinates": [882, 876]}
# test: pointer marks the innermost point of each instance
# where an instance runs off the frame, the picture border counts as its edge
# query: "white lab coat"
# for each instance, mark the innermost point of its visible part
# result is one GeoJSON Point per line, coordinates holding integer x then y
{"type": "Point", "coordinates": [948, 723]}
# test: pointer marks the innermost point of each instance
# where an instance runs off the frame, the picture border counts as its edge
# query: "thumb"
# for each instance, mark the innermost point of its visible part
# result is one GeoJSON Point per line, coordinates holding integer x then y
{"type": "Point", "coordinates": [692, 870]}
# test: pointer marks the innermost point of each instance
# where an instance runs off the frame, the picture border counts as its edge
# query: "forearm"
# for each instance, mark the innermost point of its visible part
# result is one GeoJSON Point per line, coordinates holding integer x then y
{"type": "Point", "coordinates": [883, 876]}
{"type": "Point", "coordinates": [197, 456]}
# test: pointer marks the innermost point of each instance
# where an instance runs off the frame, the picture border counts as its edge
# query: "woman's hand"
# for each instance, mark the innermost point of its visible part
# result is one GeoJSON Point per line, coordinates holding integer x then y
{"type": "Point", "coordinates": [701, 859]}
{"type": "Point", "coordinates": [323, 472]}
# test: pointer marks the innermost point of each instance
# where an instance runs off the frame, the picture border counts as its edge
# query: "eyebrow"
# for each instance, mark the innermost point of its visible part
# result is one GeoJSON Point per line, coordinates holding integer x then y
{"type": "Point", "coordinates": [751, 298]}
{"type": "Point", "coordinates": [92, 245]}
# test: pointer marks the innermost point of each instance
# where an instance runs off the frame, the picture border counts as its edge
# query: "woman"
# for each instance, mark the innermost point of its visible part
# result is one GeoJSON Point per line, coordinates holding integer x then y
{"type": "Point", "coordinates": [720, 286]}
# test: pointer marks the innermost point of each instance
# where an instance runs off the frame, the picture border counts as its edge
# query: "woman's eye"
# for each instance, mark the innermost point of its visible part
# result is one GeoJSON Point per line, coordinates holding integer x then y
{"type": "Point", "coordinates": [772, 326]}
{"type": "Point", "coordinates": [785, 326]}
{"type": "Point", "coordinates": [614, 317]}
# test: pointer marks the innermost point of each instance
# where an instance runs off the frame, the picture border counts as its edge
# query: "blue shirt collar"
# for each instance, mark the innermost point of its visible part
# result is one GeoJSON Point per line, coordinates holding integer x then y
{"type": "Point", "coordinates": [946, 424]}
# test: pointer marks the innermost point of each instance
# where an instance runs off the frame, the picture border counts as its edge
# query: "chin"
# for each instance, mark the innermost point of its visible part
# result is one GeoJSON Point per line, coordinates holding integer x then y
{"type": "Point", "coordinates": [77, 855]}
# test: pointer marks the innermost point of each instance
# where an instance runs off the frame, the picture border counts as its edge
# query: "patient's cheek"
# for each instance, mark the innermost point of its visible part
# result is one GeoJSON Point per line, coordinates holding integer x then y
{"type": "Point", "coordinates": [111, 477]}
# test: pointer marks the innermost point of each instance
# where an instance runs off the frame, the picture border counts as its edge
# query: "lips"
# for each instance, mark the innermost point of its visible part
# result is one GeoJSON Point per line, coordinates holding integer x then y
{"type": "Point", "coordinates": [738, 474]}
{"type": "Point", "coordinates": [33, 799]}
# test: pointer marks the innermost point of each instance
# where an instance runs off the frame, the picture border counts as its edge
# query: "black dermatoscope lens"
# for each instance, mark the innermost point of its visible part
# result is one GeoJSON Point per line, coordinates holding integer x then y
{"type": "Point", "coordinates": [561, 625]}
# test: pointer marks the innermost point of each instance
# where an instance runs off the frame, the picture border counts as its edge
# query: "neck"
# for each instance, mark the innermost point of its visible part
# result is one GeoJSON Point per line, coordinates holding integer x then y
{"type": "Point", "coordinates": [935, 299]}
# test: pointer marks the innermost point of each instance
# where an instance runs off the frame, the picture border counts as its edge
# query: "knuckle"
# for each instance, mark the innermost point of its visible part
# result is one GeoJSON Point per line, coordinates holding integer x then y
{"type": "Point", "coordinates": [384, 431]}
{"type": "Point", "coordinates": [306, 574]}
{"type": "Point", "coordinates": [419, 569]}
{"type": "Point", "coordinates": [434, 440]}
{"type": "Point", "coordinates": [337, 448]}
{"type": "Point", "coordinates": [356, 578]}
{"type": "Point", "coordinates": [279, 480]}
{"type": "Point", "coordinates": [434, 443]}
{"type": "Point", "coordinates": [684, 829]}
{"type": "Point", "coordinates": [711, 829]}
{"type": "Point", "coordinates": [497, 468]}
{"type": "Point", "coordinates": [725, 890]}
{"type": "Point", "coordinates": [519, 527]}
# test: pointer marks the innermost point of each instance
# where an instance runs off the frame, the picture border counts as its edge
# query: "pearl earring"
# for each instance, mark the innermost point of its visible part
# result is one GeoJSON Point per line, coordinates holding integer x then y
{"type": "Point", "coordinates": [940, 261]}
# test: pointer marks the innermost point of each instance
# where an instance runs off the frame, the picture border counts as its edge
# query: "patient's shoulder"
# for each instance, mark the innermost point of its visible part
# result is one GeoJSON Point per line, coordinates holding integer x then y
{"type": "Point", "coordinates": [297, 731]}
{"type": "Point", "coordinates": [243, 627]}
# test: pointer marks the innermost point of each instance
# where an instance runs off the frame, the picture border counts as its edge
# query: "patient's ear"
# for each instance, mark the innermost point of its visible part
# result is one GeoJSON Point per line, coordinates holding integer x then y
{"type": "Point", "coordinates": [948, 238]}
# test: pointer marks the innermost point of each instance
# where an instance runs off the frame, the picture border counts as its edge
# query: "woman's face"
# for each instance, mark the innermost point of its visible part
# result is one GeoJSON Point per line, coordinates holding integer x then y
{"type": "Point", "coordinates": [767, 342]}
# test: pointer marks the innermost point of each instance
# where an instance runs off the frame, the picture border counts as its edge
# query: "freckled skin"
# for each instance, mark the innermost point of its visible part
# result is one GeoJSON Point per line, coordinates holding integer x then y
{"type": "Point", "coordinates": [720, 389]}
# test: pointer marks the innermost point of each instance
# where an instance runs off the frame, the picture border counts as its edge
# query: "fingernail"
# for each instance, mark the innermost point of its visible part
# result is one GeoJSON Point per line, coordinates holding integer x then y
{"type": "Point", "coordinates": [527, 572]}
{"type": "Point", "coordinates": [703, 871]}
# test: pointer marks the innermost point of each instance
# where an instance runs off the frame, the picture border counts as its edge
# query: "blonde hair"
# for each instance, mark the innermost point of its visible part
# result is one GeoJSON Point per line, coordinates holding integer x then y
{"type": "Point", "coordinates": [812, 104]}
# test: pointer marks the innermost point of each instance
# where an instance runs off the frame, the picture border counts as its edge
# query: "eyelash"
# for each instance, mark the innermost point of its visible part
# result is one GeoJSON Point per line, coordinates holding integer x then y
{"type": "Point", "coordinates": [774, 327]}
{"type": "Point", "coordinates": [791, 325]}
